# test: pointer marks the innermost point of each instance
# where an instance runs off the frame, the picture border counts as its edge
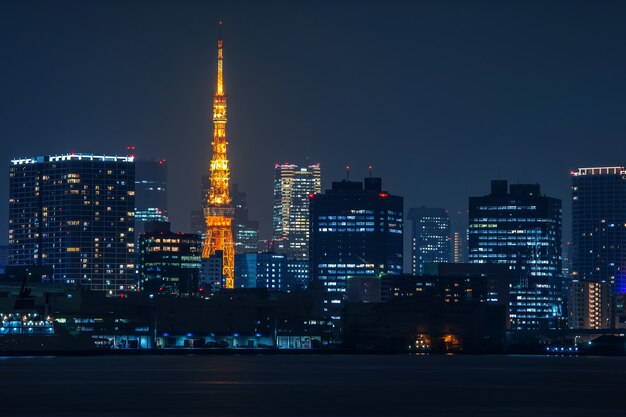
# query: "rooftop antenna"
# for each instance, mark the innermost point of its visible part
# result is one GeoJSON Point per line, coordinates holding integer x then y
{"type": "Point", "coordinates": [370, 168]}
{"type": "Point", "coordinates": [347, 172]}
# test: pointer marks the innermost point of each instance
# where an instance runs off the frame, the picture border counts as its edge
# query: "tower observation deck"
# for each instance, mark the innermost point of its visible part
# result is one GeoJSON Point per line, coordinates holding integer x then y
{"type": "Point", "coordinates": [219, 212]}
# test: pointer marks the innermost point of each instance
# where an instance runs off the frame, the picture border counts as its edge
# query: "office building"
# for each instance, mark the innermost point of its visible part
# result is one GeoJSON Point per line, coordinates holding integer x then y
{"type": "Point", "coordinates": [4, 257]}
{"type": "Point", "coordinates": [260, 270]}
{"type": "Point", "coordinates": [599, 225]}
{"type": "Point", "coordinates": [75, 212]}
{"type": "Point", "coordinates": [430, 237]}
{"type": "Point", "coordinates": [589, 304]}
{"type": "Point", "coordinates": [150, 192]}
{"type": "Point", "coordinates": [246, 231]}
{"type": "Point", "coordinates": [169, 262]}
{"type": "Point", "coordinates": [356, 231]}
{"type": "Point", "coordinates": [521, 228]}
{"type": "Point", "coordinates": [292, 186]}
{"type": "Point", "coordinates": [297, 278]}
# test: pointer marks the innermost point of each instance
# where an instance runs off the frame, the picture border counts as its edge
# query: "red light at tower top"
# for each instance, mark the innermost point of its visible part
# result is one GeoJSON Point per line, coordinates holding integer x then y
{"type": "Point", "coordinates": [383, 195]}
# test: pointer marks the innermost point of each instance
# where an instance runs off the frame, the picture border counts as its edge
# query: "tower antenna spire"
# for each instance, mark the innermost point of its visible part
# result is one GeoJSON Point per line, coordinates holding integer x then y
{"type": "Point", "coordinates": [219, 91]}
{"type": "Point", "coordinates": [219, 212]}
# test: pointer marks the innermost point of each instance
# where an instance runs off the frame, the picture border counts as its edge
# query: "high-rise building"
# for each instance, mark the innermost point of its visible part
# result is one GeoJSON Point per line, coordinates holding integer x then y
{"type": "Point", "coordinates": [356, 231]}
{"type": "Point", "coordinates": [458, 230]}
{"type": "Point", "coordinates": [219, 212]}
{"type": "Point", "coordinates": [292, 186]}
{"type": "Point", "coordinates": [150, 192]}
{"type": "Point", "coordinates": [430, 237]}
{"type": "Point", "coordinates": [169, 262]}
{"type": "Point", "coordinates": [599, 225]}
{"type": "Point", "coordinates": [246, 231]}
{"type": "Point", "coordinates": [589, 304]}
{"type": "Point", "coordinates": [522, 229]}
{"type": "Point", "coordinates": [75, 212]}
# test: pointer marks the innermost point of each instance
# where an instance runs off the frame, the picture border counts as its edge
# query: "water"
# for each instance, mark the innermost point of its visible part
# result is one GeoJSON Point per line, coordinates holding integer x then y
{"type": "Point", "coordinates": [312, 385]}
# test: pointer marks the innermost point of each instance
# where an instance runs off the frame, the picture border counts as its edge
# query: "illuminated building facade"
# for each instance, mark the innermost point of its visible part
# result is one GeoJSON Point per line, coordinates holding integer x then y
{"type": "Point", "coordinates": [292, 186]}
{"type": "Point", "coordinates": [169, 262]}
{"type": "Point", "coordinates": [260, 270]}
{"type": "Point", "coordinates": [599, 225]}
{"type": "Point", "coordinates": [430, 237]}
{"type": "Point", "coordinates": [150, 192]}
{"type": "Point", "coordinates": [356, 231]}
{"type": "Point", "coordinates": [219, 211]}
{"type": "Point", "coordinates": [75, 212]}
{"type": "Point", "coordinates": [589, 304]}
{"type": "Point", "coordinates": [521, 228]}
{"type": "Point", "coordinates": [246, 231]}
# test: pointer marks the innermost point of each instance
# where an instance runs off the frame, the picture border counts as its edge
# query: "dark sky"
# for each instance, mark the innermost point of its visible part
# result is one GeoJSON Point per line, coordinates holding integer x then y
{"type": "Point", "coordinates": [440, 97]}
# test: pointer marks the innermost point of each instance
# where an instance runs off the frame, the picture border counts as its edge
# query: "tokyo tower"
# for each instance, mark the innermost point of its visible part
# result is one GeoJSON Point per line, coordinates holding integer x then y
{"type": "Point", "coordinates": [219, 212]}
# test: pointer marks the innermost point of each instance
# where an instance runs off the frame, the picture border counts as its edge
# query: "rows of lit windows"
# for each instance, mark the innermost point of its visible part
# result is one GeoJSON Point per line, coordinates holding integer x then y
{"type": "Point", "coordinates": [508, 207]}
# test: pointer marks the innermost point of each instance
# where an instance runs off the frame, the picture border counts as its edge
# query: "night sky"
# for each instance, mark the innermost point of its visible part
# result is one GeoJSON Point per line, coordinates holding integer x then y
{"type": "Point", "coordinates": [440, 97]}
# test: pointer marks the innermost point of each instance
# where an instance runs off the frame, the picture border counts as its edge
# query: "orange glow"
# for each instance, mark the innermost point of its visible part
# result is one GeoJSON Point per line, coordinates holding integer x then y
{"type": "Point", "coordinates": [219, 214]}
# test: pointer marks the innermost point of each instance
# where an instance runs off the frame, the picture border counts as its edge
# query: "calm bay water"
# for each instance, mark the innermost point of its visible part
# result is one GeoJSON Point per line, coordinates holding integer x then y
{"type": "Point", "coordinates": [312, 385]}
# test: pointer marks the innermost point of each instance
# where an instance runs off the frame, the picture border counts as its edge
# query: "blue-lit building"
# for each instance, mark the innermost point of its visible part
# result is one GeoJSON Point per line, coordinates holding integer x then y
{"type": "Point", "coordinates": [430, 237]}
{"type": "Point", "coordinates": [521, 228]}
{"type": "Point", "coordinates": [599, 226]}
{"type": "Point", "coordinates": [245, 231]}
{"type": "Point", "coordinates": [150, 192]}
{"type": "Point", "coordinates": [356, 231]}
{"type": "Point", "coordinates": [169, 262]}
{"type": "Point", "coordinates": [75, 212]}
{"type": "Point", "coordinates": [260, 270]}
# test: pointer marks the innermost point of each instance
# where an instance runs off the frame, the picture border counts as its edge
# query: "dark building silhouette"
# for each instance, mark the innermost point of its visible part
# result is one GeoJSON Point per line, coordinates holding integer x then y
{"type": "Point", "coordinates": [245, 231]}
{"type": "Point", "coordinates": [356, 232]}
{"type": "Point", "coordinates": [169, 262]}
{"type": "Point", "coordinates": [430, 237]}
{"type": "Point", "coordinates": [521, 228]}
{"type": "Point", "coordinates": [150, 192]}
{"type": "Point", "coordinates": [75, 212]}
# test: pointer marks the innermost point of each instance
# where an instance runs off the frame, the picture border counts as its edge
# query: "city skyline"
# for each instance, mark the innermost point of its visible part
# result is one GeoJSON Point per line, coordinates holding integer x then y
{"type": "Point", "coordinates": [530, 96]}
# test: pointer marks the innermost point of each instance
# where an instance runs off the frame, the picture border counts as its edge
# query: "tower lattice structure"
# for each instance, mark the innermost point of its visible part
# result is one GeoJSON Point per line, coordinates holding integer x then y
{"type": "Point", "coordinates": [219, 211]}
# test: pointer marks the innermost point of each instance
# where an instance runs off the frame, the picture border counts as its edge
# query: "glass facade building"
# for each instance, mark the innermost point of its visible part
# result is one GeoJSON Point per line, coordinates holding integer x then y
{"type": "Point", "coordinates": [245, 231]}
{"type": "Point", "coordinates": [169, 262]}
{"type": "Point", "coordinates": [599, 226]}
{"type": "Point", "coordinates": [292, 186]}
{"type": "Point", "coordinates": [430, 237]}
{"type": "Point", "coordinates": [356, 231]}
{"type": "Point", "coordinates": [75, 212]}
{"type": "Point", "coordinates": [150, 192]}
{"type": "Point", "coordinates": [521, 228]}
{"type": "Point", "coordinates": [260, 270]}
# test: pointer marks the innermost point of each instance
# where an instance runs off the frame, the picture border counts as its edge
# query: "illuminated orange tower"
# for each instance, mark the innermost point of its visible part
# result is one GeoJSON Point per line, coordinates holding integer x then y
{"type": "Point", "coordinates": [219, 212]}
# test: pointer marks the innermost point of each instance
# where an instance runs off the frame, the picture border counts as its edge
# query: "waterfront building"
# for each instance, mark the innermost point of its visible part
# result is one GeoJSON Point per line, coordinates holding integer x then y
{"type": "Point", "coordinates": [169, 262]}
{"type": "Point", "coordinates": [521, 228]}
{"type": "Point", "coordinates": [356, 231]}
{"type": "Point", "coordinates": [589, 304]}
{"type": "Point", "coordinates": [75, 212]}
